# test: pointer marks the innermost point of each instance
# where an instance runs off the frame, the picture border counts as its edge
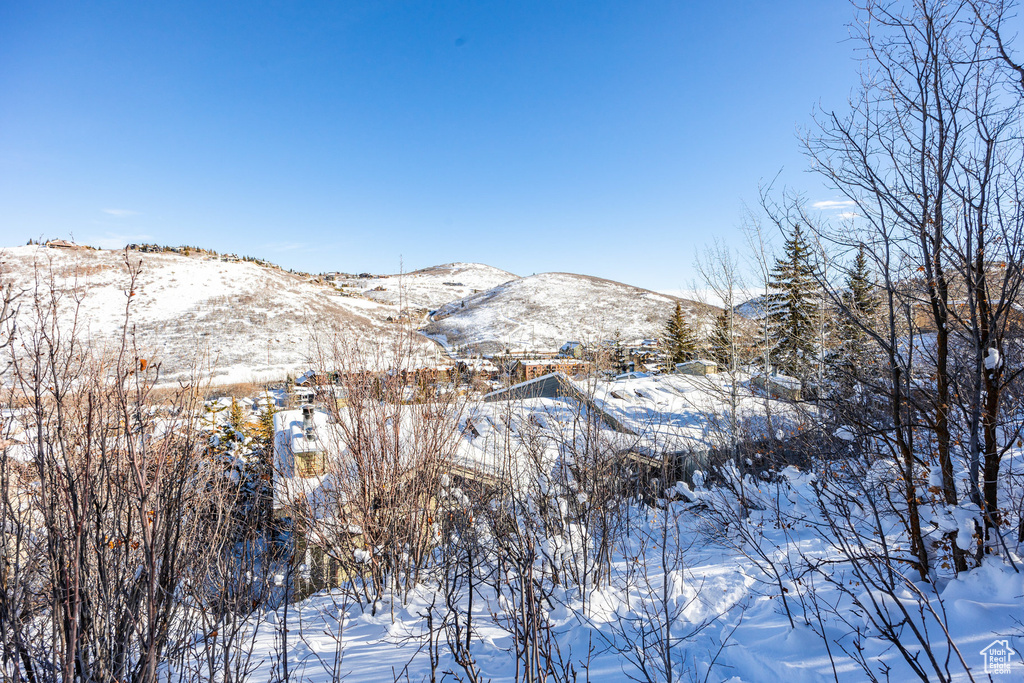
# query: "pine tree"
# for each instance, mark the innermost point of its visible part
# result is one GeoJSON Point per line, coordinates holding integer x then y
{"type": "Point", "coordinates": [720, 343]}
{"type": "Point", "coordinates": [680, 342]}
{"type": "Point", "coordinates": [265, 427]}
{"type": "Point", "coordinates": [852, 358]}
{"type": "Point", "coordinates": [863, 291]}
{"type": "Point", "coordinates": [236, 418]}
{"type": "Point", "coordinates": [613, 355]}
{"type": "Point", "coordinates": [792, 309]}
{"type": "Point", "coordinates": [619, 360]}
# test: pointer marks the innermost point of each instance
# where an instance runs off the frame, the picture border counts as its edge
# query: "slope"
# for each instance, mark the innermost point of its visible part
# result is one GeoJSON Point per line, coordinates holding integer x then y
{"type": "Point", "coordinates": [546, 310]}
{"type": "Point", "coordinates": [239, 320]}
{"type": "Point", "coordinates": [430, 288]}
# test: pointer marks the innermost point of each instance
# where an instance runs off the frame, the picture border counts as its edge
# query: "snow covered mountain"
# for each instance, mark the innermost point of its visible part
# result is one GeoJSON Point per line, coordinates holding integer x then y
{"type": "Point", "coordinates": [241, 320]}
{"type": "Point", "coordinates": [546, 310]}
{"type": "Point", "coordinates": [753, 308]}
{"type": "Point", "coordinates": [429, 288]}
{"type": "Point", "coordinates": [249, 322]}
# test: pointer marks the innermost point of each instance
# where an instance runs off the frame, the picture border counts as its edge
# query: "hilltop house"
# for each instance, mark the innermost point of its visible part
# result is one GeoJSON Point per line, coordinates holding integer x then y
{"type": "Point", "coordinates": [62, 244]}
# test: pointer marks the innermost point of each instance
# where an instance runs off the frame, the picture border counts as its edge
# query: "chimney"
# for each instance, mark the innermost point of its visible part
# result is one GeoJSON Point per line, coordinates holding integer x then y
{"type": "Point", "coordinates": [307, 420]}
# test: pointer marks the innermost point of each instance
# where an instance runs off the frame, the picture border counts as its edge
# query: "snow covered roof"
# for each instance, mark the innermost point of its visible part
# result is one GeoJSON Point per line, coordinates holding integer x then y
{"type": "Point", "coordinates": [677, 412]}
{"type": "Point", "coordinates": [290, 438]}
{"type": "Point", "coordinates": [631, 375]}
{"type": "Point", "coordinates": [307, 376]}
{"type": "Point", "coordinates": [698, 361]}
{"type": "Point", "coordinates": [781, 381]}
{"type": "Point", "coordinates": [548, 386]}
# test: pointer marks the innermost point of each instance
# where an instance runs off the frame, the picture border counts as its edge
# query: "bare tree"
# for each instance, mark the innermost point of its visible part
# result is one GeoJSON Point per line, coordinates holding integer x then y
{"type": "Point", "coordinates": [902, 156]}
{"type": "Point", "coordinates": [391, 433]}
{"type": "Point", "coordinates": [111, 509]}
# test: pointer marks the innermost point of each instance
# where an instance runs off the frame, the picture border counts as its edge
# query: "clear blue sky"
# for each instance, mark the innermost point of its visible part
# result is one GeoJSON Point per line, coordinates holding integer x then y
{"type": "Point", "coordinates": [608, 138]}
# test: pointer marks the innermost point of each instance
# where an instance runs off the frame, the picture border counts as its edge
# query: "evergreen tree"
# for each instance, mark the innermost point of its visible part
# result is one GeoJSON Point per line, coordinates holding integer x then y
{"type": "Point", "coordinates": [613, 357]}
{"type": "Point", "coordinates": [680, 342]}
{"type": "Point", "coordinates": [619, 362]}
{"type": "Point", "coordinates": [720, 342]}
{"type": "Point", "coordinates": [853, 357]}
{"type": "Point", "coordinates": [236, 418]}
{"type": "Point", "coordinates": [863, 291]}
{"type": "Point", "coordinates": [265, 428]}
{"type": "Point", "coordinates": [793, 309]}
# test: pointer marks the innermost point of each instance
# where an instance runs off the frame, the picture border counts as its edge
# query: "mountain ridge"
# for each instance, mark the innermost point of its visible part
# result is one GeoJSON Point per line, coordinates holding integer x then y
{"type": "Point", "coordinates": [248, 321]}
{"type": "Point", "coordinates": [557, 307]}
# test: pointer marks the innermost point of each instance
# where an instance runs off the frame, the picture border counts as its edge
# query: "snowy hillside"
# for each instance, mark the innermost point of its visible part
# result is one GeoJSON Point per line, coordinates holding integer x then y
{"type": "Point", "coordinates": [430, 288]}
{"type": "Point", "coordinates": [243, 320]}
{"type": "Point", "coordinates": [544, 311]}
{"type": "Point", "coordinates": [249, 322]}
{"type": "Point", "coordinates": [753, 308]}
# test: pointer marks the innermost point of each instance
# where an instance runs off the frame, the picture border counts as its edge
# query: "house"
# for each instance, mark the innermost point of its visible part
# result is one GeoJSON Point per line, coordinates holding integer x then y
{"type": "Point", "coordinates": [62, 244]}
{"type": "Point", "coordinates": [477, 367]}
{"type": "Point", "coordinates": [525, 370]}
{"type": "Point", "coordinates": [300, 455]}
{"type": "Point", "coordinates": [556, 385]}
{"type": "Point", "coordinates": [299, 451]}
{"type": "Point", "coordinates": [553, 385]}
{"type": "Point", "coordinates": [308, 379]}
{"type": "Point", "coordinates": [571, 349]}
{"type": "Point", "coordinates": [145, 248]}
{"type": "Point", "coordinates": [641, 357]}
{"type": "Point", "coordinates": [303, 395]}
{"type": "Point", "coordinates": [425, 376]}
{"type": "Point", "coordinates": [779, 386]}
{"type": "Point", "coordinates": [697, 367]}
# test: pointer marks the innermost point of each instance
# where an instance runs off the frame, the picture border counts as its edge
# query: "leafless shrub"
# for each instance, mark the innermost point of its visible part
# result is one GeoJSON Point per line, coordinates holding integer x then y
{"type": "Point", "coordinates": [390, 439]}
{"type": "Point", "coordinates": [116, 532]}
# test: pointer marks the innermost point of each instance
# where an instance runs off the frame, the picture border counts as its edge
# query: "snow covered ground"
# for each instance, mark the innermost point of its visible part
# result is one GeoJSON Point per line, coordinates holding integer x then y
{"type": "Point", "coordinates": [430, 288]}
{"type": "Point", "coordinates": [737, 577]}
{"type": "Point", "coordinates": [248, 322]}
{"type": "Point", "coordinates": [724, 613]}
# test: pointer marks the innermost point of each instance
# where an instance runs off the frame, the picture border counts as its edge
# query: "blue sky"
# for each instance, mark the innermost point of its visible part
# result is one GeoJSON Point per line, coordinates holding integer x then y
{"type": "Point", "coordinates": [608, 138]}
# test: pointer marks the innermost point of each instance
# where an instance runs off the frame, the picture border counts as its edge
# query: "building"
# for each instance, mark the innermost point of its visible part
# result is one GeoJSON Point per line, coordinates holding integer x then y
{"type": "Point", "coordinates": [62, 244]}
{"type": "Point", "coordinates": [525, 370]}
{"type": "Point", "coordinates": [301, 442]}
{"type": "Point", "coordinates": [697, 367]}
{"type": "Point", "coordinates": [571, 349]}
{"type": "Point", "coordinates": [779, 386]}
{"type": "Point", "coordinates": [427, 376]}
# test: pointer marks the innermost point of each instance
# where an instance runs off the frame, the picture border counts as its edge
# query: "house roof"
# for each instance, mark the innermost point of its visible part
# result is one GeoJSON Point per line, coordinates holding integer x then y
{"type": "Point", "coordinates": [698, 361]}
{"type": "Point", "coordinates": [547, 386]}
